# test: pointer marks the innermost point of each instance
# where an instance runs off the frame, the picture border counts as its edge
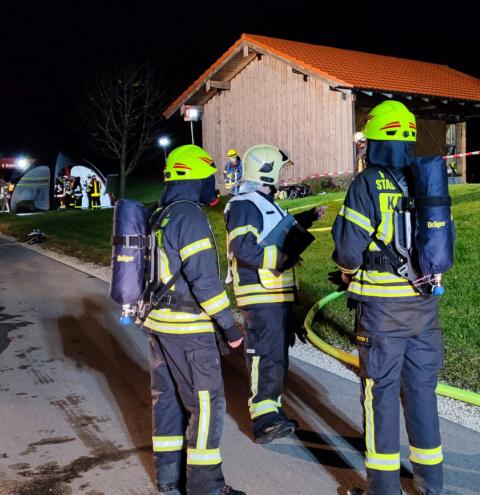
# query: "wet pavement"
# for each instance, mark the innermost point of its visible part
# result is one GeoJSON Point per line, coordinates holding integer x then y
{"type": "Point", "coordinates": [75, 403]}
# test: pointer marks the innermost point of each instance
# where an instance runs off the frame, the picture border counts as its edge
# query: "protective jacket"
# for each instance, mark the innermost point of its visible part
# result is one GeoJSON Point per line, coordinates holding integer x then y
{"type": "Point", "coordinates": [368, 211]}
{"type": "Point", "coordinates": [233, 173]}
{"type": "Point", "coordinates": [186, 247]}
{"type": "Point", "coordinates": [94, 188]}
{"type": "Point", "coordinates": [256, 279]}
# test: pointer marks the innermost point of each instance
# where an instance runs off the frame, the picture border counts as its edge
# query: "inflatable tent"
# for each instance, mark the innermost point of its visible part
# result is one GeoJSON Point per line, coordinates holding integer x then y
{"type": "Point", "coordinates": [33, 189]}
{"type": "Point", "coordinates": [66, 167]}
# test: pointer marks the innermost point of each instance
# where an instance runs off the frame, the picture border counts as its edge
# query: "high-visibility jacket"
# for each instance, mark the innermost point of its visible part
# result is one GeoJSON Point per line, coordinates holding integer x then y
{"type": "Point", "coordinates": [94, 188]}
{"type": "Point", "coordinates": [256, 280]}
{"type": "Point", "coordinates": [233, 173]}
{"type": "Point", "coordinates": [368, 210]}
{"type": "Point", "coordinates": [185, 245]}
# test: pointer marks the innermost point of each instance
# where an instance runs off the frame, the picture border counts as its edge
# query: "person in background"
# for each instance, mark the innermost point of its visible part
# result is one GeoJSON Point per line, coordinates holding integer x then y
{"type": "Point", "coordinates": [233, 172]}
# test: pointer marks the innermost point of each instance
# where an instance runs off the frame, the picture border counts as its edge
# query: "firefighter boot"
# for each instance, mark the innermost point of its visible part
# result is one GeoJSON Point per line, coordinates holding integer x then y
{"type": "Point", "coordinates": [275, 430]}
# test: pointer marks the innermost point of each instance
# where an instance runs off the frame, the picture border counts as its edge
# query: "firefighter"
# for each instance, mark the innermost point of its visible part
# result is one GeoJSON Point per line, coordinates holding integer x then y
{"type": "Point", "coordinates": [69, 193]}
{"type": "Point", "coordinates": [77, 192]}
{"type": "Point", "coordinates": [186, 380]}
{"type": "Point", "coordinates": [4, 197]}
{"type": "Point", "coordinates": [233, 171]}
{"type": "Point", "coordinates": [93, 192]}
{"type": "Point", "coordinates": [59, 193]}
{"type": "Point", "coordinates": [264, 295]}
{"type": "Point", "coordinates": [398, 336]}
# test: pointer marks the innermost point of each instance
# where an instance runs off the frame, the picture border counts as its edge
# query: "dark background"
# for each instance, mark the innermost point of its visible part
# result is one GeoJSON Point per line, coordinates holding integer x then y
{"type": "Point", "coordinates": [48, 49]}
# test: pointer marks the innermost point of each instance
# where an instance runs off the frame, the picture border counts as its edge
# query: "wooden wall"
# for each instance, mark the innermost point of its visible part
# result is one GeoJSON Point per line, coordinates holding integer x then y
{"type": "Point", "coordinates": [268, 103]}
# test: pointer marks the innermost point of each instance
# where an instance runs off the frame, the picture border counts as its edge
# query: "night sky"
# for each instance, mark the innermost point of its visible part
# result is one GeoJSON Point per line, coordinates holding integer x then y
{"type": "Point", "coordinates": [47, 50]}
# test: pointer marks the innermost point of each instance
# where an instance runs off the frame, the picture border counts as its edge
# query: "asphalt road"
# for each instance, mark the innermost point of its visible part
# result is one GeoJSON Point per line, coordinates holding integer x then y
{"type": "Point", "coordinates": [75, 405]}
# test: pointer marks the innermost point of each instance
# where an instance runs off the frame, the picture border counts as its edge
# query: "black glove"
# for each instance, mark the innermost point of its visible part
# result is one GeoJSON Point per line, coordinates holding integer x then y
{"type": "Point", "coordinates": [295, 329]}
{"type": "Point", "coordinates": [336, 279]}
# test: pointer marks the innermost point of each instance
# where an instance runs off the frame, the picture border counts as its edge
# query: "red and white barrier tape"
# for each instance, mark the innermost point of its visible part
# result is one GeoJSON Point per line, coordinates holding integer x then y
{"type": "Point", "coordinates": [461, 155]}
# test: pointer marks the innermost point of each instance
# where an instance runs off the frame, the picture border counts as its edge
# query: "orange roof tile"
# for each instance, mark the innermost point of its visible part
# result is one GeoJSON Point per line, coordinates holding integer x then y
{"type": "Point", "coordinates": [358, 70]}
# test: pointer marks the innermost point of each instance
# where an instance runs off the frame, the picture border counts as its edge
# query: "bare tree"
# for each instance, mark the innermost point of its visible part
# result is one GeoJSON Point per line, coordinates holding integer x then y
{"type": "Point", "coordinates": [121, 116]}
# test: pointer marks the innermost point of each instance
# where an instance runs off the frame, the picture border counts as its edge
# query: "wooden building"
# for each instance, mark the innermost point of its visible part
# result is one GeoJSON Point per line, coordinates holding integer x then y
{"type": "Point", "coordinates": [309, 100]}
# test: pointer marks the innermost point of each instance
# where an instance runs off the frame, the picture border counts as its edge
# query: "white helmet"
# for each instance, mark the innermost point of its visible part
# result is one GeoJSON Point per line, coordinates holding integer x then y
{"type": "Point", "coordinates": [262, 164]}
{"type": "Point", "coordinates": [359, 136]}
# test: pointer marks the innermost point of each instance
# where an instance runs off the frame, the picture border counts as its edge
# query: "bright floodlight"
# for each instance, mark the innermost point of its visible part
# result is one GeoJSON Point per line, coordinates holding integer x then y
{"type": "Point", "coordinates": [164, 141]}
{"type": "Point", "coordinates": [193, 113]}
{"type": "Point", "coordinates": [22, 163]}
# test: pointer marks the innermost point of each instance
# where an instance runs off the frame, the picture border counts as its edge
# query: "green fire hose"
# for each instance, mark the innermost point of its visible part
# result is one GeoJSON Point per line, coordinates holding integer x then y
{"type": "Point", "coordinates": [347, 358]}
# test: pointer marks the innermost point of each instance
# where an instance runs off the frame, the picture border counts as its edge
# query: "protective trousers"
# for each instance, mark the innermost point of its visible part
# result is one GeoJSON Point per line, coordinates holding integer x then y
{"type": "Point", "coordinates": [187, 395]}
{"type": "Point", "coordinates": [266, 355]}
{"type": "Point", "coordinates": [400, 347]}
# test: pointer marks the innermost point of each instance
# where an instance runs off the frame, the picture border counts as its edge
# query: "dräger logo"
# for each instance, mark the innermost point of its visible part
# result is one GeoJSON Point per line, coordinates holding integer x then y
{"type": "Point", "coordinates": [436, 225]}
{"type": "Point", "coordinates": [124, 258]}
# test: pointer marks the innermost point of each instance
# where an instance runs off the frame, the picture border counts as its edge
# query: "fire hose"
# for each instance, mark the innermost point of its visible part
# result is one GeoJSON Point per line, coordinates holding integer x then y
{"type": "Point", "coordinates": [445, 390]}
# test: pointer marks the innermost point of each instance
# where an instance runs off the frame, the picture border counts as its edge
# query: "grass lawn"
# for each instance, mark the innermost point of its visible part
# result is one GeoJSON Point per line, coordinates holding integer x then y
{"type": "Point", "coordinates": [86, 234]}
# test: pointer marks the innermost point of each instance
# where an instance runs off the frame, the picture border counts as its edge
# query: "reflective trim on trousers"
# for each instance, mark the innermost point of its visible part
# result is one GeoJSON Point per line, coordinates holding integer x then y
{"type": "Point", "coordinates": [382, 462]}
{"type": "Point", "coordinates": [254, 379]}
{"type": "Point", "coordinates": [204, 419]}
{"type": "Point", "coordinates": [428, 457]}
{"type": "Point", "coordinates": [203, 457]}
{"type": "Point", "coordinates": [263, 407]}
{"type": "Point", "coordinates": [168, 443]}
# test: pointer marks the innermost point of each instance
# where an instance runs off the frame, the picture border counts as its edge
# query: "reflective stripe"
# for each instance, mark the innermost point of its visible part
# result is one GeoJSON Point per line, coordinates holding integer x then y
{"type": "Point", "coordinates": [245, 229]}
{"type": "Point", "coordinates": [254, 379]}
{"type": "Point", "coordinates": [216, 304]}
{"type": "Point", "coordinates": [270, 257]}
{"type": "Point", "coordinates": [382, 462]}
{"type": "Point", "coordinates": [375, 277]}
{"type": "Point", "coordinates": [205, 327]}
{"type": "Point", "coordinates": [167, 315]}
{"type": "Point", "coordinates": [382, 291]}
{"type": "Point", "coordinates": [271, 281]}
{"type": "Point", "coordinates": [165, 273]}
{"type": "Point", "coordinates": [195, 247]}
{"type": "Point", "coordinates": [266, 298]}
{"type": "Point", "coordinates": [357, 218]}
{"type": "Point", "coordinates": [263, 407]}
{"type": "Point", "coordinates": [168, 444]}
{"type": "Point", "coordinates": [427, 457]}
{"type": "Point", "coordinates": [254, 288]}
{"type": "Point", "coordinates": [203, 457]}
{"type": "Point", "coordinates": [204, 419]}
{"type": "Point", "coordinates": [369, 417]}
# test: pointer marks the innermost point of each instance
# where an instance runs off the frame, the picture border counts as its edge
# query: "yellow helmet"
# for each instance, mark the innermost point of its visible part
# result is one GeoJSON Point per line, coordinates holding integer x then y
{"type": "Point", "coordinates": [189, 162]}
{"type": "Point", "coordinates": [231, 153]}
{"type": "Point", "coordinates": [262, 164]}
{"type": "Point", "coordinates": [391, 120]}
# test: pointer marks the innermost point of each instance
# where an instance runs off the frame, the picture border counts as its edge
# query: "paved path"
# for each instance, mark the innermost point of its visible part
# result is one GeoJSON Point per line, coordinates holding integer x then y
{"type": "Point", "coordinates": [75, 405]}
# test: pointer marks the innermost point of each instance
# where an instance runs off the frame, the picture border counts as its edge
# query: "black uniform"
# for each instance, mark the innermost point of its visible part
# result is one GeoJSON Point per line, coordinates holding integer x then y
{"type": "Point", "coordinates": [398, 335]}
{"type": "Point", "coordinates": [265, 297]}
{"type": "Point", "coordinates": [187, 387]}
